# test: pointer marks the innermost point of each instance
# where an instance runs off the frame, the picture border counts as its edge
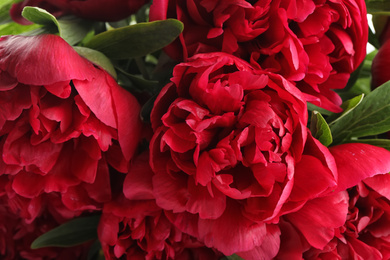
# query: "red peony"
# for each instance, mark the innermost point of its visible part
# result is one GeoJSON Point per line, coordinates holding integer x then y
{"type": "Point", "coordinates": [22, 221]}
{"type": "Point", "coordinates": [362, 211]}
{"type": "Point", "coordinates": [63, 122]}
{"type": "Point", "coordinates": [99, 10]}
{"type": "Point", "coordinates": [231, 154]}
{"type": "Point", "coordinates": [317, 44]}
{"type": "Point", "coordinates": [136, 228]}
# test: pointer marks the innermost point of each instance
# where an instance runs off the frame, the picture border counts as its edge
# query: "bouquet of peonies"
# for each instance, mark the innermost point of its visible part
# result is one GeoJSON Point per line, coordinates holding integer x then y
{"type": "Point", "coordinates": [197, 129]}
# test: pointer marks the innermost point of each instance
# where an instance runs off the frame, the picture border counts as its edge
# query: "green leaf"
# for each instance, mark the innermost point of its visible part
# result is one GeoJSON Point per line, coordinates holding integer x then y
{"type": "Point", "coordinates": [70, 28]}
{"type": "Point", "coordinates": [5, 7]}
{"type": "Point", "coordinates": [320, 129]}
{"type": "Point", "coordinates": [73, 29]}
{"type": "Point", "coordinates": [373, 39]}
{"type": "Point", "coordinates": [15, 28]}
{"type": "Point", "coordinates": [97, 58]}
{"type": "Point", "coordinates": [347, 107]}
{"type": "Point", "coordinates": [136, 40]}
{"type": "Point", "coordinates": [378, 6]}
{"type": "Point", "coordinates": [385, 143]}
{"type": "Point", "coordinates": [371, 117]}
{"type": "Point", "coordinates": [232, 257]}
{"type": "Point", "coordinates": [146, 109]}
{"type": "Point", "coordinates": [312, 107]}
{"type": "Point", "coordinates": [71, 233]}
{"type": "Point", "coordinates": [95, 251]}
{"type": "Point", "coordinates": [39, 16]}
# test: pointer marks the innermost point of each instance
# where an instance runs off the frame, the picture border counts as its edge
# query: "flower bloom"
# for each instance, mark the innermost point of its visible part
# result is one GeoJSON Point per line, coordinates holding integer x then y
{"type": "Point", "coordinates": [63, 122]}
{"type": "Point", "coordinates": [99, 10]}
{"type": "Point", "coordinates": [231, 153]}
{"type": "Point", "coordinates": [133, 226]}
{"type": "Point", "coordinates": [316, 44]}
{"type": "Point", "coordinates": [360, 204]}
{"type": "Point", "coordinates": [22, 221]}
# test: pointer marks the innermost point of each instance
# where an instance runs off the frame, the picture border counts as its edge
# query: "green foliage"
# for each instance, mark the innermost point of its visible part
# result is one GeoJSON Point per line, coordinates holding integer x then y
{"type": "Point", "coordinates": [232, 257]}
{"type": "Point", "coordinates": [74, 232]}
{"type": "Point", "coordinates": [95, 251]}
{"type": "Point", "coordinates": [378, 6]}
{"type": "Point", "coordinates": [370, 117]}
{"type": "Point", "coordinates": [15, 28]}
{"type": "Point", "coordinates": [385, 143]}
{"type": "Point", "coordinates": [97, 58]}
{"type": "Point", "coordinates": [70, 28]}
{"type": "Point", "coordinates": [320, 128]}
{"type": "Point", "coordinates": [136, 40]}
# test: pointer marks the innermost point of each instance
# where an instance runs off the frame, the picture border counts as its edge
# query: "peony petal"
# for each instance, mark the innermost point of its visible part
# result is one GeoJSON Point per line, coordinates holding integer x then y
{"type": "Point", "coordinates": [232, 232]}
{"type": "Point", "coordinates": [291, 246]}
{"type": "Point", "coordinates": [28, 184]}
{"type": "Point", "coordinates": [138, 182]}
{"type": "Point", "coordinates": [318, 218]}
{"type": "Point", "coordinates": [6, 81]}
{"type": "Point", "coordinates": [356, 162]}
{"type": "Point", "coordinates": [97, 96]}
{"type": "Point", "coordinates": [380, 183]}
{"type": "Point", "coordinates": [171, 191]}
{"type": "Point", "coordinates": [100, 189]}
{"type": "Point", "coordinates": [209, 206]}
{"type": "Point", "coordinates": [127, 111]}
{"type": "Point", "coordinates": [268, 249]}
{"type": "Point", "coordinates": [311, 179]}
{"type": "Point", "coordinates": [25, 59]}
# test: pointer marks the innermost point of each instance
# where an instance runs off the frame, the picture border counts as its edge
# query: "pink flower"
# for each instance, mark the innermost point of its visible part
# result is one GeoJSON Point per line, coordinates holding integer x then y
{"type": "Point", "coordinates": [136, 228]}
{"type": "Point", "coordinates": [99, 10]}
{"type": "Point", "coordinates": [63, 122]}
{"type": "Point", "coordinates": [316, 44]}
{"type": "Point", "coordinates": [231, 149]}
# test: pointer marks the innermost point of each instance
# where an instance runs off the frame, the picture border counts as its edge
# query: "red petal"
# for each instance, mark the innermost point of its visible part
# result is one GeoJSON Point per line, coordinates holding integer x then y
{"type": "Point", "coordinates": [232, 232]}
{"type": "Point", "coordinates": [268, 249]}
{"type": "Point", "coordinates": [309, 184]}
{"type": "Point", "coordinates": [171, 192]}
{"type": "Point", "coordinates": [319, 217]}
{"type": "Point", "coordinates": [138, 182]}
{"type": "Point", "coordinates": [356, 162]}
{"type": "Point", "coordinates": [42, 60]}
{"type": "Point", "coordinates": [100, 189]}
{"type": "Point", "coordinates": [127, 112]}
{"type": "Point", "coordinates": [209, 206]}
{"type": "Point", "coordinates": [97, 96]}
{"type": "Point", "coordinates": [28, 184]}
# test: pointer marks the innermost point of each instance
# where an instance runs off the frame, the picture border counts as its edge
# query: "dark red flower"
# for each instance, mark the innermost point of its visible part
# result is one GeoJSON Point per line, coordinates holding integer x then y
{"type": "Point", "coordinates": [99, 10]}
{"type": "Point", "coordinates": [23, 220]}
{"type": "Point", "coordinates": [134, 227]}
{"type": "Point", "coordinates": [317, 44]}
{"type": "Point", "coordinates": [351, 223]}
{"type": "Point", "coordinates": [63, 122]}
{"type": "Point", "coordinates": [231, 153]}
{"type": "Point", "coordinates": [366, 231]}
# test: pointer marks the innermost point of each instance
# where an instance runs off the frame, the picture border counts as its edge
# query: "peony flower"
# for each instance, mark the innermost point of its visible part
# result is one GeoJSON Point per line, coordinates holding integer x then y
{"type": "Point", "coordinates": [231, 154]}
{"type": "Point", "coordinates": [22, 221]}
{"type": "Point", "coordinates": [361, 209]}
{"type": "Point", "coordinates": [64, 122]}
{"type": "Point", "coordinates": [99, 10]}
{"type": "Point", "coordinates": [315, 44]}
{"type": "Point", "coordinates": [134, 227]}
